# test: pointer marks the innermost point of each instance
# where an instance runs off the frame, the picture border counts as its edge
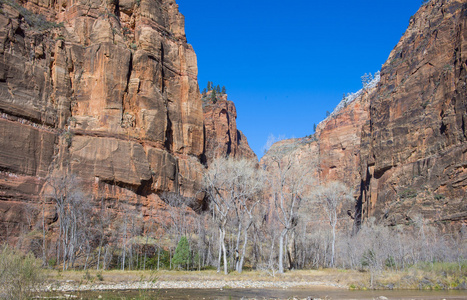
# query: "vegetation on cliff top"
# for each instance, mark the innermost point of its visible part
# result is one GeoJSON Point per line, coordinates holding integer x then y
{"type": "Point", "coordinates": [35, 21]}
{"type": "Point", "coordinates": [212, 92]}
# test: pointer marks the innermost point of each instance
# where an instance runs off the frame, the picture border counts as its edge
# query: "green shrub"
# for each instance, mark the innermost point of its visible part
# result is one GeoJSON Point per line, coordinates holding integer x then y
{"type": "Point", "coordinates": [390, 262]}
{"type": "Point", "coordinates": [52, 262]}
{"type": "Point", "coordinates": [20, 275]}
{"type": "Point", "coordinates": [99, 277]}
{"type": "Point", "coordinates": [182, 254]}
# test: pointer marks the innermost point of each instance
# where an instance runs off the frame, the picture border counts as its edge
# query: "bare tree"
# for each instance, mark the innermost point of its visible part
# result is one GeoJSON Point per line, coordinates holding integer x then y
{"type": "Point", "coordinates": [290, 183]}
{"type": "Point", "coordinates": [181, 216]}
{"type": "Point", "coordinates": [331, 196]}
{"type": "Point", "coordinates": [249, 185]}
{"type": "Point", "coordinates": [229, 184]}
{"type": "Point", "coordinates": [73, 212]}
{"type": "Point", "coordinates": [103, 223]}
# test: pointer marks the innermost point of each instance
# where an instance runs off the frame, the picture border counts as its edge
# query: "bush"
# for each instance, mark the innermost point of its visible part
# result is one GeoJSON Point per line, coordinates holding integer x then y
{"type": "Point", "coordinates": [100, 277]}
{"type": "Point", "coordinates": [182, 254]}
{"type": "Point", "coordinates": [20, 275]}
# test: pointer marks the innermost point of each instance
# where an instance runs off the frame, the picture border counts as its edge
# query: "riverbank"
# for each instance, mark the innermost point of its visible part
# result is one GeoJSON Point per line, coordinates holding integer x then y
{"type": "Point", "coordinates": [92, 280]}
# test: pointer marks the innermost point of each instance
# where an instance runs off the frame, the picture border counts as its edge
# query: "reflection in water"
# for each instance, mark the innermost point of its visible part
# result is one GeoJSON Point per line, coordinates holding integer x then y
{"type": "Point", "coordinates": [268, 294]}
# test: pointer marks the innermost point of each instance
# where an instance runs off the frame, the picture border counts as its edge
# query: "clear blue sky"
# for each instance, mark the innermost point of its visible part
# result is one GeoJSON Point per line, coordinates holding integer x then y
{"type": "Point", "coordinates": [285, 63]}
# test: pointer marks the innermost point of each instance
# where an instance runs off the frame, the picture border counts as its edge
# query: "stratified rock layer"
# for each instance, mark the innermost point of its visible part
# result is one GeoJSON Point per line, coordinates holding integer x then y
{"type": "Point", "coordinates": [106, 90]}
{"type": "Point", "coordinates": [402, 145]}
{"type": "Point", "coordinates": [414, 147]}
{"type": "Point", "coordinates": [222, 136]}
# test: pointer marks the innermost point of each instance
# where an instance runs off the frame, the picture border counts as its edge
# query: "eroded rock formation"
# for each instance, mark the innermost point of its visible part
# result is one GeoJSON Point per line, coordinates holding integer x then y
{"type": "Point", "coordinates": [414, 146]}
{"type": "Point", "coordinates": [402, 145]}
{"type": "Point", "coordinates": [104, 89]}
{"type": "Point", "coordinates": [222, 136]}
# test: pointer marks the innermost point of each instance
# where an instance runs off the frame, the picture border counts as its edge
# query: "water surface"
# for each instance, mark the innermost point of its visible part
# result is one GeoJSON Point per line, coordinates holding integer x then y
{"type": "Point", "coordinates": [221, 294]}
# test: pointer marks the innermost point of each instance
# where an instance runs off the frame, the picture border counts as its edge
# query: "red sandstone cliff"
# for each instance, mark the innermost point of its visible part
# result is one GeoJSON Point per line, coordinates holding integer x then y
{"type": "Point", "coordinates": [106, 90]}
{"type": "Point", "coordinates": [414, 145]}
{"type": "Point", "coordinates": [402, 145]}
{"type": "Point", "coordinates": [222, 138]}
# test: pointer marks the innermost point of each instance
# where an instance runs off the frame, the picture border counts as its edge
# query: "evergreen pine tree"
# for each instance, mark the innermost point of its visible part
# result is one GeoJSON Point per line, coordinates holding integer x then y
{"type": "Point", "coordinates": [224, 90]}
{"type": "Point", "coordinates": [314, 128]}
{"type": "Point", "coordinates": [218, 89]}
{"type": "Point", "coordinates": [182, 253]}
{"type": "Point", "coordinates": [214, 96]}
{"type": "Point", "coordinates": [204, 91]}
{"type": "Point", "coordinates": [209, 86]}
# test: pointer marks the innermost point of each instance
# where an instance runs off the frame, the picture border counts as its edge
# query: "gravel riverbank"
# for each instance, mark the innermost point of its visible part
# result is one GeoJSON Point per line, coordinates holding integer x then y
{"type": "Point", "coordinates": [192, 284]}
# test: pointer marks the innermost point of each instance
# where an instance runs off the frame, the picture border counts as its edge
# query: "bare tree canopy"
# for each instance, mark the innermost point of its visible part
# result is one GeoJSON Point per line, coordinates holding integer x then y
{"type": "Point", "coordinates": [233, 186]}
{"type": "Point", "coordinates": [290, 183]}
{"type": "Point", "coordinates": [331, 197]}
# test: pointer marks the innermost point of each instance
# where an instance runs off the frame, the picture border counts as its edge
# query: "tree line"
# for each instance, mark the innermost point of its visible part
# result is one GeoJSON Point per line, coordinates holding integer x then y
{"type": "Point", "coordinates": [265, 218]}
{"type": "Point", "coordinates": [212, 91]}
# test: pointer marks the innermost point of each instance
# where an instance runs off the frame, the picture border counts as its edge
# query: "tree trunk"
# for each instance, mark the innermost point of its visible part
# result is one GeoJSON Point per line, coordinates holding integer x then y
{"type": "Point", "coordinates": [333, 245]}
{"type": "Point", "coordinates": [220, 251]}
{"type": "Point", "coordinates": [158, 257]}
{"type": "Point", "coordinates": [237, 246]}
{"type": "Point", "coordinates": [245, 242]}
{"type": "Point", "coordinates": [105, 257]}
{"type": "Point", "coordinates": [44, 258]}
{"type": "Point", "coordinates": [123, 258]}
{"type": "Point", "coordinates": [145, 251]}
{"type": "Point", "coordinates": [242, 256]}
{"type": "Point", "coordinates": [281, 250]}
{"type": "Point", "coordinates": [99, 255]}
{"type": "Point", "coordinates": [88, 251]}
{"type": "Point", "coordinates": [124, 244]}
{"type": "Point", "coordinates": [225, 252]}
{"type": "Point", "coordinates": [65, 248]}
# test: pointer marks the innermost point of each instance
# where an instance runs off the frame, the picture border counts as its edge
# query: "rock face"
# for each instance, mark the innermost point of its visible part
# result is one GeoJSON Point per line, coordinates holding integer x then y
{"type": "Point", "coordinates": [222, 136]}
{"type": "Point", "coordinates": [333, 153]}
{"type": "Point", "coordinates": [414, 146]}
{"type": "Point", "coordinates": [402, 145]}
{"type": "Point", "coordinates": [104, 89]}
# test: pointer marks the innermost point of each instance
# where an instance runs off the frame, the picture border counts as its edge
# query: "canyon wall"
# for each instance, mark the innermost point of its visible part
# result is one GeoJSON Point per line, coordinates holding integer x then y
{"type": "Point", "coordinates": [401, 145]}
{"type": "Point", "coordinates": [222, 136]}
{"type": "Point", "coordinates": [106, 90]}
{"type": "Point", "coordinates": [414, 145]}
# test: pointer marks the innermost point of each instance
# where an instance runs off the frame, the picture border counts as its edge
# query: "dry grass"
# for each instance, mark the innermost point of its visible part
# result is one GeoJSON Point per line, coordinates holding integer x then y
{"type": "Point", "coordinates": [412, 278]}
{"type": "Point", "coordinates": [340, 277]}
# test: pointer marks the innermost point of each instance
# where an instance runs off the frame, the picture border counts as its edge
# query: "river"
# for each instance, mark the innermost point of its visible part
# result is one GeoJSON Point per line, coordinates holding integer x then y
{"type": "Point", "coordinates": [227, 294]}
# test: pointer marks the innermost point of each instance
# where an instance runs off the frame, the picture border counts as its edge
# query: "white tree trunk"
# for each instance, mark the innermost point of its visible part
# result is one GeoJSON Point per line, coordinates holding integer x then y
{"type": "Point", "coordinates": [281, 251]}
{"type": "Point", "coordinates": [333, 245]}
{"type": "Point", "coordinates": [221, 240]}
{"type": "Point", "coordinates": [225, 252]}
{"type": "Point", "coordinates": [242, 257]}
